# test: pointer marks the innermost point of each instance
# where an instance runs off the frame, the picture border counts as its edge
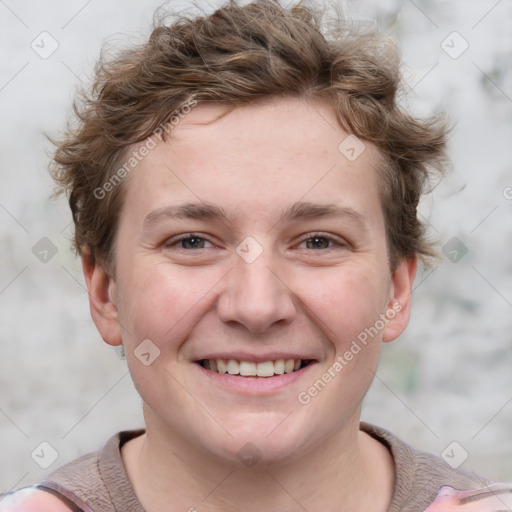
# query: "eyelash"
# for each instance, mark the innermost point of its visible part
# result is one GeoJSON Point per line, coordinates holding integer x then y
{"type": "Point", "coordinates": [310, 236]}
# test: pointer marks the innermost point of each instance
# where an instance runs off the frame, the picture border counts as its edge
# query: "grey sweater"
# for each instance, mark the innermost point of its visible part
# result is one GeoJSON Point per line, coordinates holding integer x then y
{"type": "Point", "coordinates": [97, 482]}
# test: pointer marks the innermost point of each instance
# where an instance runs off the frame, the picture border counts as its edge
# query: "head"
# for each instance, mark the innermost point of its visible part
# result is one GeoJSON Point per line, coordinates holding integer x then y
{"type": "Point", "coordinates": [244, 186]}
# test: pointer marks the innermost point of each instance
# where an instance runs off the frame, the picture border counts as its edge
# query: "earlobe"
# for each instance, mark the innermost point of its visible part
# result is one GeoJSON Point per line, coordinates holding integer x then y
{"type": "Point", "coordinates": [102, 298]}
{"type": "Point", "coordinates": [399, 305]}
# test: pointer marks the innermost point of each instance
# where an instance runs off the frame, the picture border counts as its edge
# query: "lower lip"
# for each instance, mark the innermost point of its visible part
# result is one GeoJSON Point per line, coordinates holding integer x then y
{"type": "Point", "coordinates": [254, 385]}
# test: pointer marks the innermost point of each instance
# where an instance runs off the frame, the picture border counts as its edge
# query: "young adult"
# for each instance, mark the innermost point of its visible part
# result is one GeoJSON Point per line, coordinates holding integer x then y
{"type": "Point", "coordinates": [244, 190]}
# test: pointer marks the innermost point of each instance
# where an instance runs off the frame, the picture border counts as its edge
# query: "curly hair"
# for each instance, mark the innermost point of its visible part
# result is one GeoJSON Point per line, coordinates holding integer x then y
{"type": "Point", "coordinates": [237, 56]}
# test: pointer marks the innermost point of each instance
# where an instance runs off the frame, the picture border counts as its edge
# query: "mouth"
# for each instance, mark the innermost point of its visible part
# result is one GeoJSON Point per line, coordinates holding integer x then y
{"type": "Point", "coordinates": [264, 369]}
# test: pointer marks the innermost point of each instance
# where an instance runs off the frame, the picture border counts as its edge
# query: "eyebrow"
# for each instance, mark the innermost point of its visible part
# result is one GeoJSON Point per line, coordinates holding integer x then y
{"type": "Point", "coordinates": [297, 211]}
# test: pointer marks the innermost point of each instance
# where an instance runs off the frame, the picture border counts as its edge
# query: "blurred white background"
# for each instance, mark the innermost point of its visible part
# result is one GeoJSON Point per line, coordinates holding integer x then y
{"type": "Point", "coordinates": [449, 378]}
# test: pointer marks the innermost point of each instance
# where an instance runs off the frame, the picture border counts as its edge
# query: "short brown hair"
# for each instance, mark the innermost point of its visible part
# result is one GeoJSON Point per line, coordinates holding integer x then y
{"type": "Point", "coordinates": [239, 55]}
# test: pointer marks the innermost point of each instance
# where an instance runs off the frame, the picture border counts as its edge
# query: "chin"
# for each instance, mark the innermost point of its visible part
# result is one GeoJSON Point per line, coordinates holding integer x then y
{"type": "Point", "coordinates": [266, 444]}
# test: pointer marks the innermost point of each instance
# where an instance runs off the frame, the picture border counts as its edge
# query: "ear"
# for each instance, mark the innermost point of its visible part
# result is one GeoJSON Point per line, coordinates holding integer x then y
{"type": "Point", "coordinates": [102, 298]}
{"type": "Point", "coordinates": [399, 305]}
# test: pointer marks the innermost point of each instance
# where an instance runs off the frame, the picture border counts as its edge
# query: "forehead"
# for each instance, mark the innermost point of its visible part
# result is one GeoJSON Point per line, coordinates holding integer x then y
{"type": "Point", "coordinates": [270, 154]}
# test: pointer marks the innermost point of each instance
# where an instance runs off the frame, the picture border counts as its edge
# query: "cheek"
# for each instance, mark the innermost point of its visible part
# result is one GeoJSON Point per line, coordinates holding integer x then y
{"type": "Point", "coordinates": [163, 304]}
{"type": "Point", "coordinates": [346, 307]}
{"type": "Point", "coordinates": [346, 302]}
{"type": "Point", "coordinates": [155, 307]}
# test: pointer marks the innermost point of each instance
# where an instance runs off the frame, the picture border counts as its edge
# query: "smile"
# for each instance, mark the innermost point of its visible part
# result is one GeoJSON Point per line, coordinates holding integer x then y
{"type": "Point", "coordinates": [252, 368]}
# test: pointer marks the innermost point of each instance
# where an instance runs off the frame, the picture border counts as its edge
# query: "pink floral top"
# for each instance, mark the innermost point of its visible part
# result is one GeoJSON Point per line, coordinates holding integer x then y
{"type": "Point", "coordinates": [494, 498]}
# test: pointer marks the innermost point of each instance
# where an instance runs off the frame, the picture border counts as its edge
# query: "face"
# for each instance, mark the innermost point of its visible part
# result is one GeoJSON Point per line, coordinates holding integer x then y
{"type": "Point", "coordinates": [252, 245]}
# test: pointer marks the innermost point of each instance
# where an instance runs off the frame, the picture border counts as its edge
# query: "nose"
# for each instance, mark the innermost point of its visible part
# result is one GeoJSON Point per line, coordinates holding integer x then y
{"type": "Point", "coordinates": [256, 296]}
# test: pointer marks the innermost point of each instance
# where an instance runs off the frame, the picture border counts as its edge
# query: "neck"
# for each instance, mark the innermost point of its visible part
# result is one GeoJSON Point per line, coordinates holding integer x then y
{"type": "Point", "coordinates": [167, 471]}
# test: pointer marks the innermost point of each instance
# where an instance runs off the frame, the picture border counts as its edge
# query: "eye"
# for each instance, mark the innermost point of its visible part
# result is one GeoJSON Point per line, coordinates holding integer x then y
{"type": "Point", "coordinates": [188, 241]}
{"type": "Point", "coordinates": [318, 241]}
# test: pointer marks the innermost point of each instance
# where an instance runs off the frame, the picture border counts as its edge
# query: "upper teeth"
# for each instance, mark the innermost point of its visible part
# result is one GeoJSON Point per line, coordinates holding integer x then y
{"type": "Point", "coordinates": [250, 368]}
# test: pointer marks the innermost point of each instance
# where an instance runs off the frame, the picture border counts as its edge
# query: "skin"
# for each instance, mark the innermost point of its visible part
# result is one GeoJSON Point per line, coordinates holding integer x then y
{"type": "Point", "coordinates": [198, 298]}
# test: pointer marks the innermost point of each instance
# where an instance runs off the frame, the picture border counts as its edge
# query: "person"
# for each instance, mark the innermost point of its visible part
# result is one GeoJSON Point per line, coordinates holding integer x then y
{"type": "Point", "coordinates": [244, 190]}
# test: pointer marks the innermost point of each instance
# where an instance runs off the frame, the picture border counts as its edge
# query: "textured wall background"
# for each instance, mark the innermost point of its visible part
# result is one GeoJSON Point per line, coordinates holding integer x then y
{"type": "Point", "coordinates": [447, 379]}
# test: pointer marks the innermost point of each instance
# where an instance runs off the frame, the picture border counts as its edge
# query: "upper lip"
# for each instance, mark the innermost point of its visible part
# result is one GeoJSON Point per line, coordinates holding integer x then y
{"type": "Point", "coordinates": [257, 358]}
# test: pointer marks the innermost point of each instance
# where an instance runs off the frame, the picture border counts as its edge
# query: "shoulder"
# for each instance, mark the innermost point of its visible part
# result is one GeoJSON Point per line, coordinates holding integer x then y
{"type": "Point", "coordinates": [32, 499]}
{"type": "Point", "coordinates": [493, 498]}
{"type": "Point", "coordinates": [90, 482]}
{"type": "Point", "coordinates": [418, 468]}
{"type": "Point", "coordinates": [421, 478]}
